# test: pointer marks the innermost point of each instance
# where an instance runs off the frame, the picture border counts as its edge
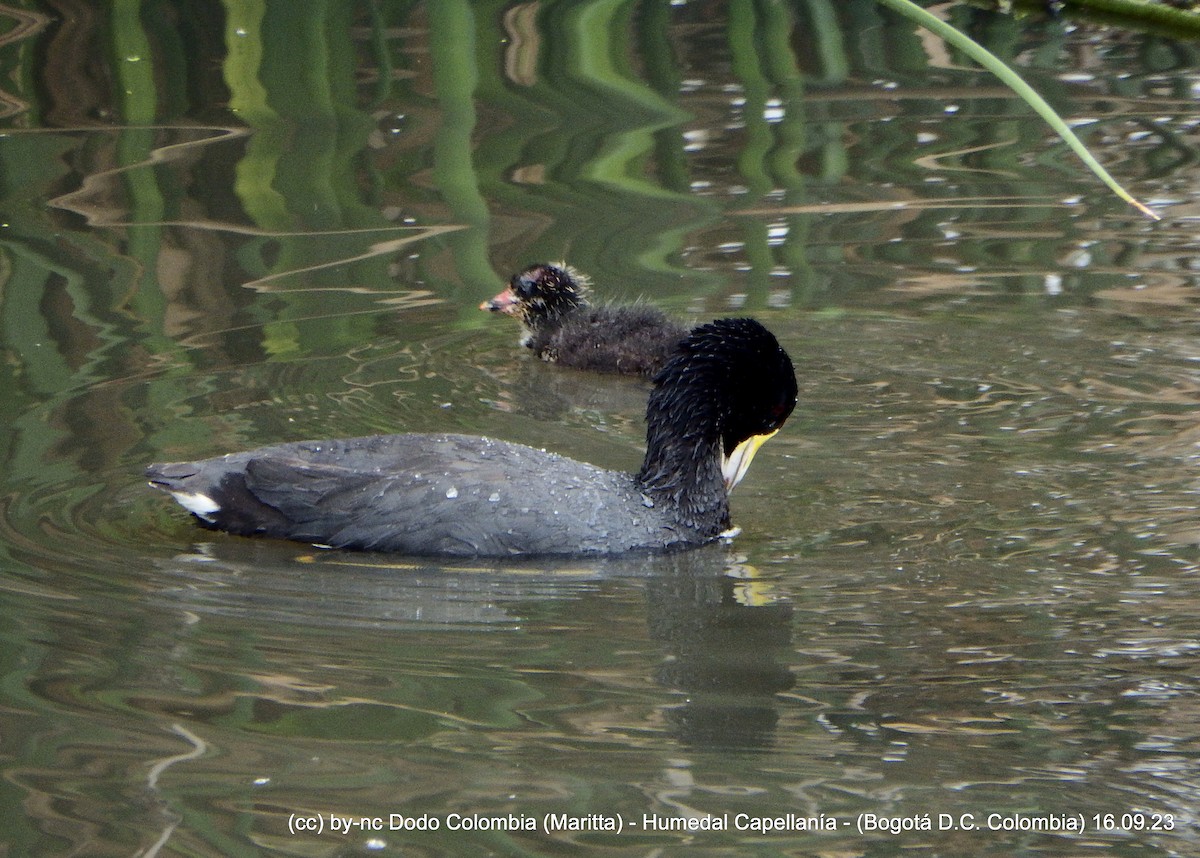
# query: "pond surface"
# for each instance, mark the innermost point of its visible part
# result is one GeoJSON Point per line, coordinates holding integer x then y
{"type": "Point", "coordinates": [965, 602]}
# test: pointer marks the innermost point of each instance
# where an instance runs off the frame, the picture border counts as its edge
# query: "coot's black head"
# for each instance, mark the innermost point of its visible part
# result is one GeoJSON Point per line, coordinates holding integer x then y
{"type": "Point", "coordinates": [542, 294]}
{"type": "Point", "coordinates": [729, 382]}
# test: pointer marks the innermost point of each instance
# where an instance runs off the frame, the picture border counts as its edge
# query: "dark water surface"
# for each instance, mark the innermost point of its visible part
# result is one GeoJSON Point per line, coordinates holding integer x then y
{"type": "Point", "coordinates": [966, 598]}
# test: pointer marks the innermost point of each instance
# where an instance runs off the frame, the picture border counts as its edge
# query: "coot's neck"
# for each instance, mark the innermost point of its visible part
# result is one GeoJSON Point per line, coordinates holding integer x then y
{"type": "Point", "coordinates": [552, 318]}
{"type": "Point", "coordinates": [682, 468]}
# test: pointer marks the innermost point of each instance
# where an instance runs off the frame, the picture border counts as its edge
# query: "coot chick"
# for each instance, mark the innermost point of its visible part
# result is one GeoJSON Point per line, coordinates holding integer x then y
{"type": "Point", "coordinates": [561, 326]}
{"type": "Point", "coordinates": [727, 389]}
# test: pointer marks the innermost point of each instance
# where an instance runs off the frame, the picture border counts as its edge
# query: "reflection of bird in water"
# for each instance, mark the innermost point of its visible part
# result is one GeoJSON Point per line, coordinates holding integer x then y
{"type": "Point", "coordinates": [561, 326]}
{"type": "Point", "coordinates": [728, 388]}
{"type": "Point", "coordinates": [723, 634]}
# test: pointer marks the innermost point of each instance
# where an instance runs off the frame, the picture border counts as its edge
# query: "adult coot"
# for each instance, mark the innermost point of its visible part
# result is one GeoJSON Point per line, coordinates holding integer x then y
{"type": "Point", "coordinates": [727, 389]}
{"type": "Point", "coordinates": [561, 326]}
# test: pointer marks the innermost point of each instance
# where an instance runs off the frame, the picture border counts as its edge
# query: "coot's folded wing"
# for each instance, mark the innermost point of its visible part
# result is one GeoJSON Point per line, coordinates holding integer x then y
{"type": "Point", "coordinates": [448, 494]}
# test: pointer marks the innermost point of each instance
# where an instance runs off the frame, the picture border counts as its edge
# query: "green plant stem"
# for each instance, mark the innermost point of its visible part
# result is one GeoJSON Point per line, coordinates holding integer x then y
{"type": "Point", "coordinates": [1010, 78]}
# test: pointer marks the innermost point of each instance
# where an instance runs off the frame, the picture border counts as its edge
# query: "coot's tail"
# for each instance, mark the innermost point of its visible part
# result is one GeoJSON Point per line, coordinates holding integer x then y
{"type": "Point", "coordinates": [179, 480]}
{"type": "Point", "coordinates": [170, 476]}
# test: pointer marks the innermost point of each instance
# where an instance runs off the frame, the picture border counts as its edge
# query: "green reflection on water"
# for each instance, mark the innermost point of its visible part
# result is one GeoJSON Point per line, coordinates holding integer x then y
{"type": "Point", "coordinates": [968, 568]}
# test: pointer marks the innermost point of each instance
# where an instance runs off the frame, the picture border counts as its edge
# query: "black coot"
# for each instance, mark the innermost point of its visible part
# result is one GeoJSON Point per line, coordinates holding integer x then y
{"type": "Point", "coordinates": [561, 326]}
{"type": "Point", "coordinates": [728, 387]}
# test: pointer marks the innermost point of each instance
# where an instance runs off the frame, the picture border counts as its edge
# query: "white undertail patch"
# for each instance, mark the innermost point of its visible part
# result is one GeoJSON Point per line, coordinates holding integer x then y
{"type": "Point", "coordinates": [199, 505]}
